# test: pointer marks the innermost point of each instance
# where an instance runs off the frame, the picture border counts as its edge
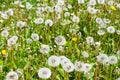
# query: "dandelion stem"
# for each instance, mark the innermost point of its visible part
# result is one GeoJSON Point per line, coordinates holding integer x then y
{"type": "Point", "coordinates": [111, 72]}
{"type": "Point", "coordinates": [78, 75]}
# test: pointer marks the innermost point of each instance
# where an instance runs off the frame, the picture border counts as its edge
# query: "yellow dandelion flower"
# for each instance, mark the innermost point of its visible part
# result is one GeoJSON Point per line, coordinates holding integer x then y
{"type": "Point", "coordinates": [74, 39]}
{"type": "Point", "coordinates": [112, 8]}
{"type": "Point", "coordinates": [4, 52]}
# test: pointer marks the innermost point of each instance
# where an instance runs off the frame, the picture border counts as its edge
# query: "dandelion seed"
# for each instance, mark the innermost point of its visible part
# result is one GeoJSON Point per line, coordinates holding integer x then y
{"type": "Point", "coordinates": [118, 78]}
{"type": "Point", "coordinates": [68, 67]}
{"type": "Point", "coordinates": [19, 72]}
{"type": "Point", "coordinates": [66, 14]}
{"type": "Point", "coordinates": [118, 32]}
{"type": "Point", "coordinates": [118, 52]}
{"type": "Point", "coordinates": [110, 2]}
{"type": "Point", "coordinates": [35, 37]}
{"type": "Point", "coordinates": [88, 75]}
{"type": "Point", "coordinates": [85, 54]}
{"type": "Point", "coordinates": [101, 58]}
{"type": "Point", "coordinates": [110, 29]}
{"type": "Point", "coordinates": [101, 1]}
{"type": "Point", "coordinates": [44, 49]}
{"type": "Point", "coordinates": [60, 48]}
{"type": "Point", "coordinates": [48, 9]}
{"type": "Point", "coordinates": [81, 1]}
{"type": "Point", "coordinates": [48, 22]}
{"type": "Point", "coordinates": [75, 19]}
{"type": "Point", "coordinates": [79, 66]}
{"type": "Point", "coordinates": [106, 20]}
{"type": "Point", "coordinates": [58, 9]}
{"type": "Point", "coordinates": [21, 24]}
{"type": "Point", "coordinates": [11, 42]}
{"type": "Point", "coordinates": [118, 5]}
{"type": "Point", "coordinates": [28, 6]}
{"type": "Point", "coordinates": [4, 33]}
{"type": "Point", "coordinates": [90, 40]}
{"type": "Point", "coordinates": [92, 2]}
{"type": "Point", "coordinates": [64, 60]}
{"type": "Point", "coordinates": [4, 15]}
{"type": "Point", "coordinates": [12, 76]}
{"type": "Point", "coordinates": [100, 32]}
{"type": "Point", "coordinates": [113, 59]}
{"type": "Point", "coordinates": [38, 21]}
{"type": "Point", "coordinates": [10, 12]}
{"type": "Point", "coordinates": [44, 73]}
{"type": "Point", "coordinates": [29, 41]}
{"type": "Point", "coordinates": [14, 38]}
{"type": "Point", "coordinates": [97, 44]}
{"type": "Point", "coordinates": [99, 20]}
{"type": "Point", "coordinates": [69, 6]}
{"type": "Point", "coordinates": [87, 67]}
{"type": "Point", "coordinates": [91, 10]}
{"type": "Point", "coordinates": [60, 40]}
{"type": "Point", "coordinates": [53, 61]}
{"type": "Point", "coordinates": [60, 2]}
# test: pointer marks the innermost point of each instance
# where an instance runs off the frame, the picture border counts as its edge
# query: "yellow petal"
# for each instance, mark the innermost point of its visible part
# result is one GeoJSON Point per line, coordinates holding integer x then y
{"type": "Point", "coordinates": [4, 52]}
{"type": "Point", "coordinates": [112, 8]}
{"type": "Point", "coordinates": [74, 39]}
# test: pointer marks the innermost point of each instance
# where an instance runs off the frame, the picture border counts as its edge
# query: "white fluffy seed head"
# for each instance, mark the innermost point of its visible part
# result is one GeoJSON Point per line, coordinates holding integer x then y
{"type": "Point", "coordinates": [10, 12]}
{"type": "Point", "coordinates": [79, 66]}
{"type": "Point", "coordinates": [102, 58]}
{"type": "Point", "coordinates": [12, 76]}
{"type": "Point", "coordinates": [118, 52]}
{"type": "Point", "coordinates": [75, 19]}
{"type": "Point", "coordinates": [110, 29]}
{"type": "Point", "coordinates": [53, 61]}
{"type": "Point", "coordinates": [28, 6]}
{"type": "Point", "coordinates": [85, 54]}
{"type": "Point", "coordinates": [4, 33]}
{"type": "Point", "coordinates": [100, 32]}
{"type": "Point", "coordinates": [113, 59]}
{"type": "Point", "coordinates": [44, 73]}
{"type": "Point", "coordinates": [64, 60]}
{"type": "Point", "coordinates": [11, 42]}
{"type": "Point", "coordinates": [90, 40]}
{"type": "Point", "coordinates": [101, 1]}
{"type": "Point", "coordinates": [44, 49]}
{"type": "Point", "coordinates": [38, 21]}
{"type": "Point", "coordinates": [99, 20]}
{"type": "Point", "coordinates": [68, 67]}
{"type": "Point", "coordinates": [87, 67]}
{"type": "Point", "coordinates": [19, 72]}
{"type": "Point", "coordinates": [4, 15]}
{"type": "Point", "coordinates": [21, 24]}
{"type": "Point", "coordinates": [48, 22]}
{"type": "Point", "coordinates": [81, 1]}
{"type": "Point", "coordinates": [92, 2]}
{"type": "Point", "coordinates": [106, 21]}
{"type": "Point", "coordinates": [60, 40]}
{"type": "Point", "coordinates": [91, 10]}
{"type": "Point", "coordinates": [29, 41]}
{"type": "Point", "coordinates": [35, 36]}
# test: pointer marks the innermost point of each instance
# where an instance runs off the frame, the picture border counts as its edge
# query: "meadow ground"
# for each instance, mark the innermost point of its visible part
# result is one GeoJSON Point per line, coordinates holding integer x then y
{"type": "Point", "coordinates": [59, 40]}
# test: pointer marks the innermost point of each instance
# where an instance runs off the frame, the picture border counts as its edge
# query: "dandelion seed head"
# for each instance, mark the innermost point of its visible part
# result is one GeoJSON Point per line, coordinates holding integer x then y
{"type": "Point", "coordinates": [54, 61]}
{"type": "Point", "coordinates": [60, 40]}
{"type": "Point", "coordinates": [12, 76]}
{"type": "Point", "coordinates": [44, 73]}
{"type": "Point", "coordinates": [44, 49]}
